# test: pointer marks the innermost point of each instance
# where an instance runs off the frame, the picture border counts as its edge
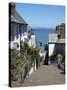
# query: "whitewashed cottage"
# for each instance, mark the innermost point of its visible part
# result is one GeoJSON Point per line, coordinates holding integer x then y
{"type": "Point", "coordinates": [18, 27]}
{"type": "Point", "coordinates": [18, 32]}
{"type": "Point", "coordinates": [56, 42]}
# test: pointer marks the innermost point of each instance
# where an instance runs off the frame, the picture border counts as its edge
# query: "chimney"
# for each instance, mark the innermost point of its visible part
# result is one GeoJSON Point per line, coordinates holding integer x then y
{"type": "Point", "coordinates": [12, 6]}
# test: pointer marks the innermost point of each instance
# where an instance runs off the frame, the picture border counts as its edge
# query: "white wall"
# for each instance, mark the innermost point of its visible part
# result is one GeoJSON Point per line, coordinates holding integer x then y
{"type": "Point", "coordinates": [53, 37]}
{"type": "Point", "coordinates": [32, 41]}
{"type": "Point", "coordinates": [24, 34]}
{"type": "Point", "coordinates": [51, 49]}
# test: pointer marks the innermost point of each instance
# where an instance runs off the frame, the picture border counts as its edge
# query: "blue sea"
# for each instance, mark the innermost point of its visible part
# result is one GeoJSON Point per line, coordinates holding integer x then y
{"type": "Point", "coordinates": [42, 34]}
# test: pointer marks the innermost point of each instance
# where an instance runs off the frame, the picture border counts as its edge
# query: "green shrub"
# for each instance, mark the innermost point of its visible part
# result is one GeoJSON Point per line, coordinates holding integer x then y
{"type": "Point", "coordinates": [35, 53]}
{"type": "Point", "coordinates": [19, 58]}
{"type": "Point", "coordinates": [16, 63]}
{"type": "Point", "coordinates": [62, 57]}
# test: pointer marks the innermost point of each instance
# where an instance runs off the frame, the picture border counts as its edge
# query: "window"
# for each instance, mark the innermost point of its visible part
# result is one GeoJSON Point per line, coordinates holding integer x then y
{"type": "Point", "coordinates": [21, 29]}
{"type": "Point", "coordinates": [24, 29]}
{"type": "Point", "coordinates": [14, 31]}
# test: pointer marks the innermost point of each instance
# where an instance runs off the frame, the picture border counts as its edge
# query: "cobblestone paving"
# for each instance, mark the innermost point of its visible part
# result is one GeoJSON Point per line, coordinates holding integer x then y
{"type": "Point", "coordinates": [45, 75]}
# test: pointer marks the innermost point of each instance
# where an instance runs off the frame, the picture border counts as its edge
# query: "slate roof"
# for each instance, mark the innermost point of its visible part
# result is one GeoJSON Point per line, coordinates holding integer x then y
{"type": "Point", "coordinates": [17, 18]}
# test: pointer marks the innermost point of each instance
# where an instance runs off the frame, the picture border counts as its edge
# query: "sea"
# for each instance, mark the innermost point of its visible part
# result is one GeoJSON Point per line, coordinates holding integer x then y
{"type": "Point", "coordinates": [42, 34]}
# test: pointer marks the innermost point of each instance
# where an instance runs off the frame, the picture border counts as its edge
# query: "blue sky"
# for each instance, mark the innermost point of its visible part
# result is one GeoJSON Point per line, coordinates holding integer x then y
{"type": "Point", "coordinates": [38, 15]}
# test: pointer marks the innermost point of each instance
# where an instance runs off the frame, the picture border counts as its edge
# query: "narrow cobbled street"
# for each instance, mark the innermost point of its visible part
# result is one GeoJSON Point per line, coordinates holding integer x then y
{"type": "Point", "coordinates": [45, 75]}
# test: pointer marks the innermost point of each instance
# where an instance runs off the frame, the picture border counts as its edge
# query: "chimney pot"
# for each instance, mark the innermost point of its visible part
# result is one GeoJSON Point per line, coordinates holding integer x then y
{"type": "Point", "coordinates": [12, 5]}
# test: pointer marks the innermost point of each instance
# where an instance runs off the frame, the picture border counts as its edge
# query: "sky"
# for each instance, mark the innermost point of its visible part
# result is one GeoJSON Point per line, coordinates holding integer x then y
{"type": "Point", "coordinates": [41, 15]}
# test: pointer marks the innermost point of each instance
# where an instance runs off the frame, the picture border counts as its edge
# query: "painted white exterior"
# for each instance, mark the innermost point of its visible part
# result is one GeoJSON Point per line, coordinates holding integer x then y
{"type": "Point", "coordinates": [18, 34]}
{"type": "Point", "coordinates": [51, 49]}
{"type": "Point", "coordinates": [15, 36]}
{"type": "Point", "coordinates": [24, 36]}
{"type": "Point", "coordinates": [32, 41]}
{"type": "Point", "coordinates": [14, 44]}
{"type": "Point", "coordinates": [53, 38]}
